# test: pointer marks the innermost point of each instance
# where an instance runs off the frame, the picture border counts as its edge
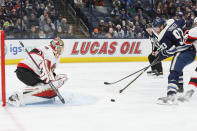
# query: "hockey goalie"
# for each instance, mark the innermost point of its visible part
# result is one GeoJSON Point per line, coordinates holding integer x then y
{"type": "Point", "coordinates": [37, 78]}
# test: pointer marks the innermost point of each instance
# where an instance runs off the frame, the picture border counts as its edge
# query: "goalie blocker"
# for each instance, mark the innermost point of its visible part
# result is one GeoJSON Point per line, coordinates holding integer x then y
{"type": "Point", "coordinates": [37, 80]}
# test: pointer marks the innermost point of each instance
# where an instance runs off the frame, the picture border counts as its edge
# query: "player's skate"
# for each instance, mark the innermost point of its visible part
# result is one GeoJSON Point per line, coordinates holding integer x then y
{"type": "Point", "coordinates": [15, 99]}
{"type": "Point", "coordinates": [155, 73]}
{"type": "Point", "coordinates": [168, 100]}
{"type": "Point", "coordinates": [186, 96]}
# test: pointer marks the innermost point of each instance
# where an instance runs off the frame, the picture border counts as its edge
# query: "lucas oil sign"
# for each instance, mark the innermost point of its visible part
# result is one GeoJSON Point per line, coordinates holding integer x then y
{"type": "Point", "coordinates": [85, 47]}
{"type": "Point", "coordinates": [108, 47]}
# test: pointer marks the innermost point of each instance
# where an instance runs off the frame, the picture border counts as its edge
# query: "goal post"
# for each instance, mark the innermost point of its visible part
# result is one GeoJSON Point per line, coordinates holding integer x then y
{"type": "Point", "coordinates": [2, 68]}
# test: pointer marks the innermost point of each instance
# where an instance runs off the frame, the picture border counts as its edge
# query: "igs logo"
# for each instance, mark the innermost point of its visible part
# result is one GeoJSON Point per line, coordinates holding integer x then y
{"type": "Point", "coordinates": [15, 50]}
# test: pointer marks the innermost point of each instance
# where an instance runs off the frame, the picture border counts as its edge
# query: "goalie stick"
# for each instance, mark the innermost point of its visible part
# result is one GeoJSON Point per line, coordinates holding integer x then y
{"type": "Point", "coordinates": [144, 70]}
{"type": "Point", "coordinates": [50, 83]}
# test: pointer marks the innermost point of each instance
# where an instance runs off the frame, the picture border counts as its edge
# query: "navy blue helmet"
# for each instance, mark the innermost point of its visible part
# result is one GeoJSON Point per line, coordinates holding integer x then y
{"type": "Point", "coordinates": [158, 22]}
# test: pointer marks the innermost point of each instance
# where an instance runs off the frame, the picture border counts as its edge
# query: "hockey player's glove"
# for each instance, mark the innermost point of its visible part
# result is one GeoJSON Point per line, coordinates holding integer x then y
{"type": "Point", "coordinates": [46, 72]}
{"type": "Point", "coordinates": [59, 80]}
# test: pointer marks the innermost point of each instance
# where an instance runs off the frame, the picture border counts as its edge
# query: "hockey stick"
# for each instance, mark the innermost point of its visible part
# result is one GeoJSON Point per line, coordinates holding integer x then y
{"type": "Point", "coordinates": [50, 83]}
{"type": "Point", "coordinates": [152, 64]}
{"type": "Point", "coordinates": [144, 70]}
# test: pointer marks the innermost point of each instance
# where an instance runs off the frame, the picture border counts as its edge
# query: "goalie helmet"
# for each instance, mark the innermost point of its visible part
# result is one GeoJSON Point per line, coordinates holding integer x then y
{"type": "Point", "coordinates": [58, 46]}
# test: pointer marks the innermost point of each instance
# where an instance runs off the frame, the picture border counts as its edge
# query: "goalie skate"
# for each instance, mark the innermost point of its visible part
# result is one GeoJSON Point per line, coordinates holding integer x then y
{"type": "Point", "coordinates": [14, 100]}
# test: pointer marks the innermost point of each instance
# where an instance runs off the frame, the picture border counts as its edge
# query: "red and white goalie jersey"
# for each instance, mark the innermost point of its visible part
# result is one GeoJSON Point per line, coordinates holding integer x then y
{"type": "Point", "coordinates": [191, 37]}
{"type": "Point", "coordinates": [44, 53]}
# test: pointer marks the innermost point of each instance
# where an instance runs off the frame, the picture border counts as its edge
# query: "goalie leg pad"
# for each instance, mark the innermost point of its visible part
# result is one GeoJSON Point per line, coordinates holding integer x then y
{"type": "Point", "coordinates": [35, 94]}
{"type": "Point", "coordinates": [41, 90]}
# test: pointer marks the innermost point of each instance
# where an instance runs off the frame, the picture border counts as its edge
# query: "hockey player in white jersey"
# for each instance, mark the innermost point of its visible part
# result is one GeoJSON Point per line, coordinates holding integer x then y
{"type": "Point", "coordinates": [36, 79]}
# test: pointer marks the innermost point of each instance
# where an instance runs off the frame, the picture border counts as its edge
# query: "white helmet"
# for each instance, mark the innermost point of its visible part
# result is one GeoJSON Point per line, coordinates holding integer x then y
{"type": "Point", "coordinates": [58, 46]}
{"type": "Point", "coordinates": [195, 20]}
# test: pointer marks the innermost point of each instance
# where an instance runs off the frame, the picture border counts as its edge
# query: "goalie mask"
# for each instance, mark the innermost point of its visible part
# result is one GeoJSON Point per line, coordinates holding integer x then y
{"type": "Point", "coordinates": [58, 46]}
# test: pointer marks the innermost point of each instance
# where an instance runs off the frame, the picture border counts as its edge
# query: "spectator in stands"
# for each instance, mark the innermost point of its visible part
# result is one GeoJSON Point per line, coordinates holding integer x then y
{"type": "Point", "coordinates": [102, 27]}
{"type": "Point", "coordinates": [124, 17]}
{"type": "Point", "coordinates": [49, 28]}
{"type": "Point", "coordinates": [110, 24]}
{"type": "Point", "coordinates": [52, 14]}
{"type": "Point", "coordinates": [33, 21]}
{"type": "Point", "coordinates": [59, 32]}
{"type": "Point", "coordinates": [117, 20]}
{"type": "Point", "coordinates": [110, 33]}
{"type": "Point", "coordinates": [141, 14]}
{"type": "Point", "coordinates": [43, 18]}
{"type": "Point", "coordinates": [64, 25]}
{"type": "Point", "coordinates": [42, 34]}
{"type": "Point", "coordinates": [143, 24]}
{"type": "Point", "coordinates": [158, 13]}
{"type": "Point", "coordinates": [33, 34]}
{"type": "Point", "coordinates": [62, 34]}
{"type": "Point", "coordinates": [119, 33]}
{"type": "Point", "coordinates": [59, 19]}
{"type": "Point", "coordinates": [130, 29]}
{"type": "Point", "coordinates": [39, 8]}
{"type": "Point", "coordinates": [136, 20]}
{"type": "Point", "coordinates": [95, 33]}
{"type": "Point", "coordinates": [139, 34]}
{"type": "Point", "coordinates": [13, 16]}
{"type": "Point", "coordinates": [115, 11]}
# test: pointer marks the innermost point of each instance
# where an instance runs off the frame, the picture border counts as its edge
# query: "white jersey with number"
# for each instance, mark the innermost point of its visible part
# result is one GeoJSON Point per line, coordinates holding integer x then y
{"type": "Point", "coordinates": [39, 54]}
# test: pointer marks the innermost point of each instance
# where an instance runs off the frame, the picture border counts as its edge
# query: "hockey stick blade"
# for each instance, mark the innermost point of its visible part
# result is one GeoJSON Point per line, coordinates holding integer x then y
{"type": "Point", "coordinates": [107, 83]}
{"type": "Point", "coordinates": [50, 83]}
{"type": "Point", "coordinates": [121, 91]}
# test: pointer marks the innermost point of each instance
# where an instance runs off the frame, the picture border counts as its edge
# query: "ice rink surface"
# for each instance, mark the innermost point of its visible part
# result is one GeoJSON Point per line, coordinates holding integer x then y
{"type": "Point", "coordinates": [91, 109]}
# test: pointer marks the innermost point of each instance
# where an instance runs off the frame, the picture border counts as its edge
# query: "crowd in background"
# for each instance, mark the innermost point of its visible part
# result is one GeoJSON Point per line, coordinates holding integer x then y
{"type": "Point", "coordinates": [131, 16]}
{"type": "Point", "coordinates": [39, 19]}
{"type": "Point", "coordinates": [128, 17]}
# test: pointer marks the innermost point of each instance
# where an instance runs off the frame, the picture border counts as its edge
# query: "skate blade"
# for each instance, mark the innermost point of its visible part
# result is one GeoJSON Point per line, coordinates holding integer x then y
{"type": "Point", "coordinates": [186, 97]}
{"type": "Point", "coordinates": [164, 101]}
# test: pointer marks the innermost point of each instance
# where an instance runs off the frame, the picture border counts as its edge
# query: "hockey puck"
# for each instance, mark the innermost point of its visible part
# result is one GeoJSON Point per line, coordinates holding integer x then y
{"type": "Point", "coordinates": [112, 100]}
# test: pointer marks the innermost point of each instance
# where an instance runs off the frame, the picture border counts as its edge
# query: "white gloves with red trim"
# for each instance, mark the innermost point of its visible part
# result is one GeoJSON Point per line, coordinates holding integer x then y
{"type": "Point", "coordinates": [46, 72]}
{"type": "Point", "coordinates": [47, 75]}
{"type": "Point", "coordinates": [60, 80]}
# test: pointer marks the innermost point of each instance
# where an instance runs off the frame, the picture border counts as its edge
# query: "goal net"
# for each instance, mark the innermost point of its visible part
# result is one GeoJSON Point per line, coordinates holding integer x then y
{"type": "Point", "coordinates": [2, 69]}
